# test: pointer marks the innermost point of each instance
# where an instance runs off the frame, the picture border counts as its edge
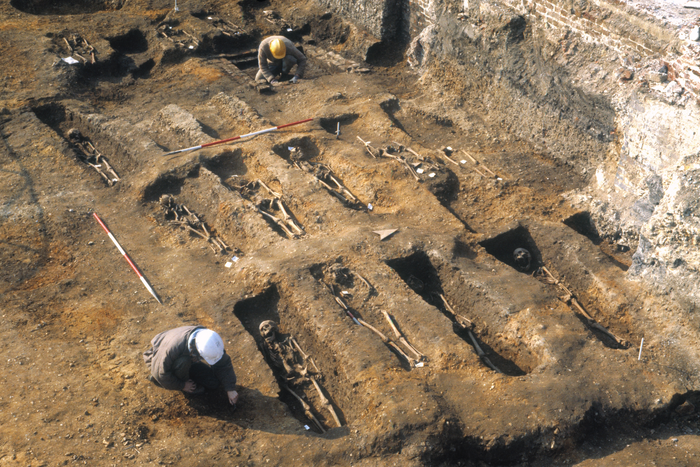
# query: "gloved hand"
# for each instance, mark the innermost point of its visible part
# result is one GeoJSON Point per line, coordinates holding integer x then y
{"type": "Point", "coordinates": [296, 79]}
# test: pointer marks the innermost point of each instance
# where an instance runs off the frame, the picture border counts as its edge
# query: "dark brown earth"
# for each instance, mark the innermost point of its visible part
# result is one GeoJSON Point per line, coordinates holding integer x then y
{"type": "Point", "coordinates": [76, 318]}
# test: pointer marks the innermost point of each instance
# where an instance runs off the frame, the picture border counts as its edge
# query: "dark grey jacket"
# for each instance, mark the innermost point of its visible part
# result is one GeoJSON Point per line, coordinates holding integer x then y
{"type": "Point", "coordinates": [168, 346]}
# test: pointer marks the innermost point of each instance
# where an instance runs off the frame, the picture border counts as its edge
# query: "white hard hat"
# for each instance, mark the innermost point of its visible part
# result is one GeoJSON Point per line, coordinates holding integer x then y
{"type": "Point", "coordinates": [209, 345]}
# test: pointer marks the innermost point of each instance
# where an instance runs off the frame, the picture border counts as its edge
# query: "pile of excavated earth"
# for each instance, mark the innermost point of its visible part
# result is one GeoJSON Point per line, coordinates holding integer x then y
{"type": "Point", "coordinates": [422, 249]}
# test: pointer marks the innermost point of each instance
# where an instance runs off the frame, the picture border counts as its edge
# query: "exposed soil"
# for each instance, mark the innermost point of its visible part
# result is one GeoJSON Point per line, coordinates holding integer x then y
{"type": "Point", "coordinates": [553, 386]}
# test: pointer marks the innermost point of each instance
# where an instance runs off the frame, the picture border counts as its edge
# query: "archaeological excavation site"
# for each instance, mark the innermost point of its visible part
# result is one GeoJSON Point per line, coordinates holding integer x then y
{"type": "Point", "coordinates": [448, 233]}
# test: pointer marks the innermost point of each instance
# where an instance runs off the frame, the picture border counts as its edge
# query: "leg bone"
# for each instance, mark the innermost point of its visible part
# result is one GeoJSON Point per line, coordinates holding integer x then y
{"type": "Point", "coordinates": [307, 408]}
{"type": "Point", "coordinates": [402, 339]}
{"type": "Point", "coordinates": [325, 402]}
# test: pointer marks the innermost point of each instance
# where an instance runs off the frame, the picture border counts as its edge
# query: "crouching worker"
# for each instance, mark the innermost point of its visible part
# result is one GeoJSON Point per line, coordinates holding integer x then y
{"type": "Point", "coordinates": [276, 56]}
{"type": "Point", "coordinates": [177, 361]}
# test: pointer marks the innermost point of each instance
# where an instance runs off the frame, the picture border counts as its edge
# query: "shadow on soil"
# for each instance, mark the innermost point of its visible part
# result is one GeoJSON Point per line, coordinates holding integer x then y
{"type": "Point", "coordinates": [503, 246]}
{"type": "Point", "coordinates": [583, 224]}
{"type": "Point", "coordinates": [266, 306]}
{"type": "Point", "coordinates": [420, 275]}
{"type": "Point", "coordinates": [66, 7]}
{"type": "Point", "coordinates": [598, 434]}
{"type": "Point", "coordinates": [14, 275]}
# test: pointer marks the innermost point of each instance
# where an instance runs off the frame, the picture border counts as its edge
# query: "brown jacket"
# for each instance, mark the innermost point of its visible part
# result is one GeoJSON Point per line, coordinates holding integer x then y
{"type": "Point", "coordinates": [265, 58]}
{"type": "Point", "coordinates": [170, 345]}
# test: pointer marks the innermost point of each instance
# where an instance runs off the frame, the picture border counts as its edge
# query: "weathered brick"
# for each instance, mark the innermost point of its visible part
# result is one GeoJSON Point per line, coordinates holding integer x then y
{"type": "Point", "coordinates": [599, 30]}
{"type": "Point", "coordinates": [557, 23]}
{"type": "Point", "coordinates": [694, 71]}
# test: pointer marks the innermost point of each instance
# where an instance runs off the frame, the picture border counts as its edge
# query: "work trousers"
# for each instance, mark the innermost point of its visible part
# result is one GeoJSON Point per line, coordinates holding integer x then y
{"type": "Point", "coordinates": [201, 373]}
{"type": "Point", "coordinates": [278, 67]}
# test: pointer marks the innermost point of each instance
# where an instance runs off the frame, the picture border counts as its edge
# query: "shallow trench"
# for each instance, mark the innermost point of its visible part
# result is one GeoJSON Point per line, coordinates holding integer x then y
{"type": "Point", "coordinates": [596, 431]}
{"type": "Point", "coordinates": [268, 306]}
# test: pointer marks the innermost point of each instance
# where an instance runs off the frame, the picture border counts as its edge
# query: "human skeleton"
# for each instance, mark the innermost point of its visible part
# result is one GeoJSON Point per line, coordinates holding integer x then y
{"type": "Point", "coordinates": [291, 366]}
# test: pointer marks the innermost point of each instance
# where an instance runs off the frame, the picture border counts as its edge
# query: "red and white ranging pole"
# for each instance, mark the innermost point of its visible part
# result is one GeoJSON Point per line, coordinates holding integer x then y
{"type": "Point", "coordinates": [126, 256]}
{"type": "Point", "coordinates": [237, 137]}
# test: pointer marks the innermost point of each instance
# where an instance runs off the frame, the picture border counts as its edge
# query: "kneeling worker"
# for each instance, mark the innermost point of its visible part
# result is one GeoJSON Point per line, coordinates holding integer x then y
{"type": "Point", "coordinates": [177, 358]}
{"type": "Point", "coordinates": [277, 55]}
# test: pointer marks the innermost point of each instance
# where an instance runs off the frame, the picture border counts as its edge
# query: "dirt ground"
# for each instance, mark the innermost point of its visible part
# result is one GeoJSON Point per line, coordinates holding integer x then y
{"type": "Point", "coordinates": [560, 379]}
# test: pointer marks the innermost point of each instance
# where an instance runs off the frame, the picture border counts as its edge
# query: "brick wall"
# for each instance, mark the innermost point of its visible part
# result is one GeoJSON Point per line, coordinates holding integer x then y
{"type": "Point", "coordinates": [422, 7]}
{"type": "Point", "coordinates": [595, 21]}
{"type": "Point", "coordinates": [385, 19]}
{"type": "Point", "coordinates": [610, 27]}
{"type": "Point", "coordinates": [377, 16]}
{"type": "Point", "coordinates": [592, 25]}
{"type": "Point", "coordinates": [418, 16]}
{"type": "Point", "coordinates": [684, 69]}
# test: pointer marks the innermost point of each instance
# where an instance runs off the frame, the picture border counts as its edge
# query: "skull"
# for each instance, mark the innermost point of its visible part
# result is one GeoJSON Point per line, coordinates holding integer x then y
{"type": "Point", "coordinates": [269, 330]}
{"type": "Point", "coordinates": [522, 257]}
{"type": "Point", "coordinates": [74, 135]}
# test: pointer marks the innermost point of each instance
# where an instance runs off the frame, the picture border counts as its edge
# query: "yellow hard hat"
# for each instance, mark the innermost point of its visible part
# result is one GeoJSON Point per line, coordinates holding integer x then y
{"type": "Point", "coordinates": [278, 49]}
